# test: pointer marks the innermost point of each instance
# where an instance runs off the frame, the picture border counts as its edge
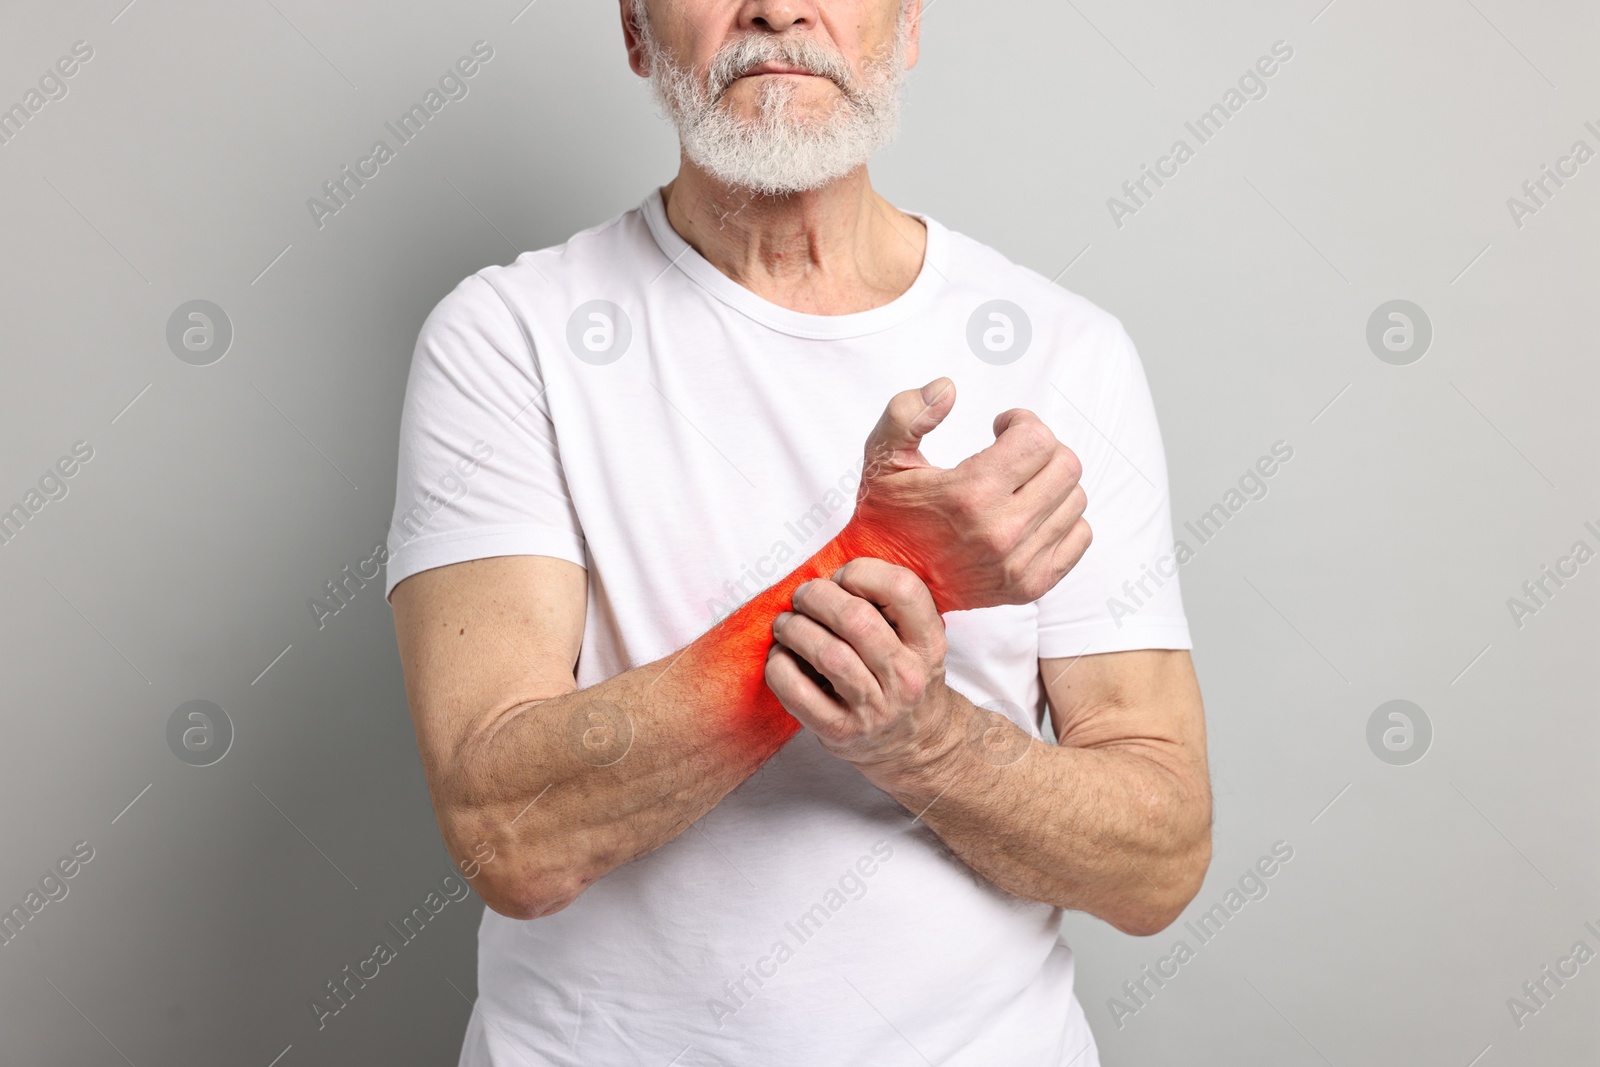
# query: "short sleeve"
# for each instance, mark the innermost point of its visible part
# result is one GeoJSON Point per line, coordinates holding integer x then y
{"type": "Point", "coordinates": [479, 470]}
{"type": "Point", "coordinates": [1123, 594]}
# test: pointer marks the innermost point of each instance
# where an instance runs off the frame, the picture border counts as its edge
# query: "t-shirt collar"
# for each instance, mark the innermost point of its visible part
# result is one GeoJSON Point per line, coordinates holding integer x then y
{"type": "Point", "coordinates": [683, 257]}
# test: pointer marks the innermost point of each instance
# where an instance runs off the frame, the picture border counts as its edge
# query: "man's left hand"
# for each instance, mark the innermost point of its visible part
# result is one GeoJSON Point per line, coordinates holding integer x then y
{"type": "Point", "coordinates": [860, 661]}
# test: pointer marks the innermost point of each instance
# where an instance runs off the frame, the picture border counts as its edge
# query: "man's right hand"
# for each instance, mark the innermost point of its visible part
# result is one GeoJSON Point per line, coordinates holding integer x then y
{"type": "Point", "coordinates": [1001, 527]}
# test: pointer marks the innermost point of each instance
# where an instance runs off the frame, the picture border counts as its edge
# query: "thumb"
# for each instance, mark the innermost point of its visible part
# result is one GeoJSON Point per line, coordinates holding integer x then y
{"type": "Point", "coordinates": [909, 416]}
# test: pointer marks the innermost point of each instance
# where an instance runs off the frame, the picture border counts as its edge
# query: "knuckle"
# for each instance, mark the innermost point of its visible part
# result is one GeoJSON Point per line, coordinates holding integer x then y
{"type": "Point", "coordinates": [995, 546]}
{"type": "Point", "coordinates": [858, 617]}
{"type": "Point", "coordinates": [1014, 574]}
{"type": "Point", "coordinates": [834, 660]}
{"type": "Point", "coordinates": [915, 689]}
{"type": "Point", "coordinates": [1006, 535]}
{"type": "Point", "coordinates": [1071, 462]}
{"type": "Point", "coordinates": [910, 677]}
{"type": "Point", "coordinates": [1027, 584]}
{"type": "Point", "coordinates": [1070, 554]}
{"type": "Point", "coordinates": [1033, 434]}
{"type": "Point", "coordinates": [904, 585]}
{"type": "Point", "coordinates": [839, 733]}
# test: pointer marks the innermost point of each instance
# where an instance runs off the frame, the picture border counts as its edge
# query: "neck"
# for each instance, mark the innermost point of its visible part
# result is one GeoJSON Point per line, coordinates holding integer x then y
{"type": "Point", "coordinates": [835, 250]}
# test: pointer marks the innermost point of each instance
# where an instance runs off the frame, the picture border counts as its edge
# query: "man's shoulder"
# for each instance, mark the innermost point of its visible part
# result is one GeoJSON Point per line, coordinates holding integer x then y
{"type": "Point", "coordinates": [590, 256]}
{"type": "Point", "coordinates": [600, 248]}
{"type": "Point", "coordinates": [981, 270]}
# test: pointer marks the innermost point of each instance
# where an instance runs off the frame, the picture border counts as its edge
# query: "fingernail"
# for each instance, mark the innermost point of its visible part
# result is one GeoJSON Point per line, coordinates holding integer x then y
{"type": "Point", "coordinates": [934, 390]}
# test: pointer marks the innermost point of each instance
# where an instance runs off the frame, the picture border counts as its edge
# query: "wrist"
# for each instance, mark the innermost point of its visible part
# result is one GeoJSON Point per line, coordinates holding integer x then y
{"type": "Point", "coordinates": [861, 538]}
{"type": "Point", "coordinates": [936, 761]}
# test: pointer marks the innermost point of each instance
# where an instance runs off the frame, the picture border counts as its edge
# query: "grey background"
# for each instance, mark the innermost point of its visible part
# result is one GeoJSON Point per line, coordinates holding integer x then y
{"type": "Point", "coordinates": [1418, 500]}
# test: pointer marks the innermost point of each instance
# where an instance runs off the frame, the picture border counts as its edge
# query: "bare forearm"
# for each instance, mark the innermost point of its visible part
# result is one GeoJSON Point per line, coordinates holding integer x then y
{"type": "Point", "coordinates": [563, 790]}
{"type": "Point", "coordinates": [1122, 832]}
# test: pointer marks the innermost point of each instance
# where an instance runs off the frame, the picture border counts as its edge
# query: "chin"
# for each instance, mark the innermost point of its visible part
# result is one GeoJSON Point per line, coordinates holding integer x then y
{"type": "Point", "coordinates": [797, 87]}
{"type": "Point", "coordinates": [807, 108]}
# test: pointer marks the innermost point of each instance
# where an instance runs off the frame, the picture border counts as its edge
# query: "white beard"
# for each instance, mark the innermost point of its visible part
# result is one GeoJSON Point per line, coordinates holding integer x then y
{"type": "Point", "coordinates": [780, 152]}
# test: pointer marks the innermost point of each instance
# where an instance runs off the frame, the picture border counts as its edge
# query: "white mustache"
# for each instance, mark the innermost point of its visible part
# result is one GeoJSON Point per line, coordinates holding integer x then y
{"type": "Point", "coordinates": [743, 56]}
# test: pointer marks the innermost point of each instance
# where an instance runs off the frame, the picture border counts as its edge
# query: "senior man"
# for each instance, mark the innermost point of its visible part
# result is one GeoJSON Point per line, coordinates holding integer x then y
{"type": "Point", "coordinates": [737, 725]}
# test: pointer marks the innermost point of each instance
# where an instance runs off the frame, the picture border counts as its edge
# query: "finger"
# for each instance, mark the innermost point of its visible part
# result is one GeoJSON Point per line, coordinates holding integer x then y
{"type": "Point", "coordinates": [1004, 420]}
{"type": "Point", "coordinates": [909, 416]}
{"type": "Point", "coordinates": [1061, 543]}
{"type": "Point", "coordinates": [1023, 445]}
{"type": "Point", "coordinates": [903, 599]}
{"type": "Point", "coordinates": [801, 696]}
{"type": "Point", "coordinates": [1049, 489]}
{"type": "Point", "coordinates": [1071, 548]}
{"type": "Point", "coordinates": [1055, 526]}
{"type": "Point", "coordinates": [831, 655]}
{"type": "Point", "coordinates": [854, 620]}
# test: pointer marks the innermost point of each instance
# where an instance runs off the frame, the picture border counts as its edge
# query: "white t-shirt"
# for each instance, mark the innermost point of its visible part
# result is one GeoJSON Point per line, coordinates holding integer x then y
{"type": "Point", "coordinates": [618, 402]}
